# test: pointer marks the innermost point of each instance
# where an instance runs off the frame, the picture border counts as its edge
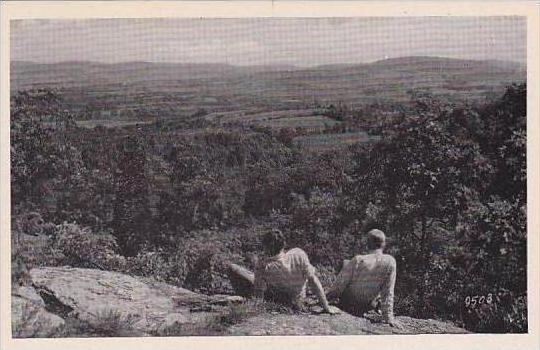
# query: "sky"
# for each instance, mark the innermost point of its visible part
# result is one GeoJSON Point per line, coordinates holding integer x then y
{"type": "Point", "coordinates": [262, 41]}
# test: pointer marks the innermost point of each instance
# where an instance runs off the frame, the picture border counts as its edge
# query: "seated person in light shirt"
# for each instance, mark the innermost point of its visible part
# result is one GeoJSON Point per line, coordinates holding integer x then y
{"type": "Point", "coordinates": [366, 279]}
{"type": "Point", "coordinates": [282, 276]}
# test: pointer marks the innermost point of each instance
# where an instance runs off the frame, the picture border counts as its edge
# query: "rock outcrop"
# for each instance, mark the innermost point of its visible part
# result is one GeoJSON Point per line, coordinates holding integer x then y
{"type": "Point", "coordinates": [61, 293]}
{"type": "Point", "coordinates": [341, 324]}
{"type": "Point", "coordinates": [91, 294]}
{"type": "Point", "coordinates": [29, 316]}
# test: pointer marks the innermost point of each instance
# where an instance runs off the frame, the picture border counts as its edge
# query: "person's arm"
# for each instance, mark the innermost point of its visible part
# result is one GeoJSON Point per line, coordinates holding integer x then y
{"type": "Point", "coordinates": [259, 285]}
{"type": "Point", "coordinates": [317, 287]}
{"type": "Point", "coordinates": [314, 283]}
{"type": "Point", "coordinates": [342, 281]}
{"type": "Point", "coordinates": [387, 294]}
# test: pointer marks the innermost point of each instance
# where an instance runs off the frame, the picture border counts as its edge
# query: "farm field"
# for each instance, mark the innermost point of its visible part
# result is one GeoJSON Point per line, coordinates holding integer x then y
{"type": "Point", "coordinates": [266, 116]}
{"type": "Point", "coordinates": [139, 90]}
{"type": "Point", "coordinates": [308, 122]}
{"type": "Point", "coordinates": [332, 141]}
{"type": "Point", "coordinates": [187, 97]}
{"type": "Point", "coordinates": [92, 123]}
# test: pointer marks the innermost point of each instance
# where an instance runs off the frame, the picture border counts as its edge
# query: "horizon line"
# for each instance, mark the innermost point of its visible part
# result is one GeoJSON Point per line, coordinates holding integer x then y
{"type": "Point", "coordinates": [272, 64]}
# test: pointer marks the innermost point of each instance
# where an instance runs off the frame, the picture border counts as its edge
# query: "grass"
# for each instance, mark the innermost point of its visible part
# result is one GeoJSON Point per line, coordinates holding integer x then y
{"type": "Point", "coordinates": [216, 325]}
{"type": "Point", "coordinates": [108, 323]}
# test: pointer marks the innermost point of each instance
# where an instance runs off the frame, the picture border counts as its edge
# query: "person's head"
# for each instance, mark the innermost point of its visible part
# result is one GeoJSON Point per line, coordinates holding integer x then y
{"type": "Point", "coordinates": [273, 242]}
{"type": "Point", "coordinates": [376, 239]}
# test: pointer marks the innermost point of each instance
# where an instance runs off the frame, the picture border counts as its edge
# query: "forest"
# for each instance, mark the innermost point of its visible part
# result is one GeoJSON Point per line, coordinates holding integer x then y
{"type": "Point", "coordinates": [445, 181]}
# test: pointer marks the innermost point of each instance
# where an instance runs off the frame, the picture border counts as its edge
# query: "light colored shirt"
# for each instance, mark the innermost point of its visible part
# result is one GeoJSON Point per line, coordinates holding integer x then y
{"type": "Point", "coordinates": [287, 273]}
{"type": "Point", "coordinates": [366, 277]}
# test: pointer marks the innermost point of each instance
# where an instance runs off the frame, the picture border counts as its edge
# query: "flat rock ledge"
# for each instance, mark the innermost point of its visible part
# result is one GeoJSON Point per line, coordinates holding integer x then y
{"type": "Point", "coordinates": [59, 293]}
{"type": "Point", "coordinates": [91, 295]}
{"type": "Point", "coordinates": [342, 324]}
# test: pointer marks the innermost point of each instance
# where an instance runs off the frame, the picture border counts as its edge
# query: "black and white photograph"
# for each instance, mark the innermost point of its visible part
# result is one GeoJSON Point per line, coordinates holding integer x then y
{"type": "Point", "coordinates": [268, 176]}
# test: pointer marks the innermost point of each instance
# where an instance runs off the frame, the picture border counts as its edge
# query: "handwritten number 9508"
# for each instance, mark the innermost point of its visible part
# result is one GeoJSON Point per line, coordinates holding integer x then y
{"type": "Point", "coordinates": [475, 300]}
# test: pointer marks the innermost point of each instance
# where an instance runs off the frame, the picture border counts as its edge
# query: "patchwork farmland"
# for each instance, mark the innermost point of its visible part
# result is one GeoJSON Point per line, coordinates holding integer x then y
{"type": "Point", "coordinates": [318, 106]}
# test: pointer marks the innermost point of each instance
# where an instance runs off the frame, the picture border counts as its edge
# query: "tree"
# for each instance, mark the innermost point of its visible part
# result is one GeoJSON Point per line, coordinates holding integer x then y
{"type": "Point", "coordinates": [436, 180]}
{"type": "Point", "coordinates": [131, 212]}
{"type": "Point", "coordinates": [45, 163]}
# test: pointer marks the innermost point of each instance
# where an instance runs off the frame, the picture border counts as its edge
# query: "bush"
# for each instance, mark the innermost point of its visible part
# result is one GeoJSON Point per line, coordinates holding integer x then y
{"type": "Point", "coordinates": [215, 325]}
{"type": "Point", "coordinates": [58, 245]}
{"type": "Point", "coordinates": [108, 323]}
{"type": "Point", "coordinates": [31, 246]}
{"type": "Point", "coordinates": [507, 313]}
{"type": "Point", "coordinates": [83, 248]}
{"type": "Point", "coordinates": [199, 261]}
{"type": "Point", "coordinates": [209, 326]}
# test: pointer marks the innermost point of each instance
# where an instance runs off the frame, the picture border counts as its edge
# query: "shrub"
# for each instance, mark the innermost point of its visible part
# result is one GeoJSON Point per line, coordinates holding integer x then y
{"type": "Point", "coordinates": [31, 246]}
{"type": "Point", "coordinates": [216, 324]}
{"type": "Point", "coordinates": [199, 260]}
{"type": "Point", "coordinates": [241, 312]}
{"type": "Point", "coordinates": [83, 248]}
{"type": "Point", "coordinates": [209, 326]}
{"type": "Point", "coordinates": [149, 264]}
{"type": "Point", "coordinates": [108, 323]}
{"type": "Point", "coordinates": [57, 245]}
{"type": "Point", "coordinates": [507, 313]}
{"type": "Point", "coordinates": [327, 275]}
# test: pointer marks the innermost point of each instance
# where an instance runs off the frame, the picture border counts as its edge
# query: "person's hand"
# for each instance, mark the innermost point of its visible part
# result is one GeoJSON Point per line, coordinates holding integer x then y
{"type": "Point", "coordinates": [332, 310]}
{"type": "Point", "coordinates": [395, 324]}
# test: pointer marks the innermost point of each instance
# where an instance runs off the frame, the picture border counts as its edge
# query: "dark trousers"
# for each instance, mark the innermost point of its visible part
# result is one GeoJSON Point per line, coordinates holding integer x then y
{"type": "Point", "coordinates": [349, 304]}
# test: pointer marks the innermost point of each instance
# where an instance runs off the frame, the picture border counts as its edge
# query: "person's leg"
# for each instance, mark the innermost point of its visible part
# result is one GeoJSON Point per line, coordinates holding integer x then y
{"type": "Point", "coordinates": [350, 305]}
{"type": "Point", "coordinates": [242, 280]}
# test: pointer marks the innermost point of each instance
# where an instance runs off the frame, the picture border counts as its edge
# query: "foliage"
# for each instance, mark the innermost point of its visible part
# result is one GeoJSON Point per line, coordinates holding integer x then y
{"type": "Point", "coordinates": [446, 182]}
{"type": "Point", "coordinates": [83, 248]}
{"type": "Point", "coordinates": [436, 181]}
{"type": "Point", "coordinates": [131, 188]}
{"type": "Point", "coordinates": [208, 326]}
{"type": "Point", "coordinates": [42, 157]}
{"type": "Point", "coordinates": [217, 324]}
{"type": "Point", "coordinates": [31, 246]}
{"type": "Point", "coordinates": [198, 262]}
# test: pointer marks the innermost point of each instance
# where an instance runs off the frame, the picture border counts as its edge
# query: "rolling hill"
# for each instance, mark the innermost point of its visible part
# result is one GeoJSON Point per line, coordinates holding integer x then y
{"type": "Point", "coordinates": [138, 90]}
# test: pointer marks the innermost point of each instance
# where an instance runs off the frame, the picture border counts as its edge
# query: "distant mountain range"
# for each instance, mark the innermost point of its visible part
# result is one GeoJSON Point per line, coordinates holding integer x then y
{"type": "Point", "coordinates": [25, 74]}
{"type": "Point", "coordinates": [228, 87]}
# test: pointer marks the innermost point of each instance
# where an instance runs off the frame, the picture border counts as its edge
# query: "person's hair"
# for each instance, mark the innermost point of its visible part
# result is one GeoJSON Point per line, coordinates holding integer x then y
{"type": "Point", "coordinates": [376, 239]}
{"type": "Point", "coordinates": [273, 242]}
